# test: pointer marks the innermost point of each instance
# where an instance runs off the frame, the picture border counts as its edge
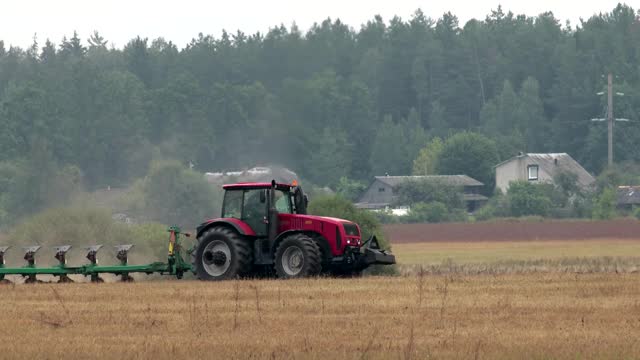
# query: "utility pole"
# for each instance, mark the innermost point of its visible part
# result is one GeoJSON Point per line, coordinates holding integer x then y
{"type": "Point", "coordinates": [610, 118]}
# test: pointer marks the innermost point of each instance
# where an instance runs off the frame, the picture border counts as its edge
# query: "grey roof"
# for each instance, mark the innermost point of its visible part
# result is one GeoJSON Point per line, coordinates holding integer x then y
{"type": "Point", "coordinates": [551, 162]}
{"type": "Point", "coordinates": [456, 180]}
{"type": "Point", "coordinates": [628, 195]}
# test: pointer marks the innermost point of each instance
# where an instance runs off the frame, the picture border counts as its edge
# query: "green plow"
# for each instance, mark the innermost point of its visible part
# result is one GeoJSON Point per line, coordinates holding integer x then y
{"type": "Point", "coordinates": [175, 265]}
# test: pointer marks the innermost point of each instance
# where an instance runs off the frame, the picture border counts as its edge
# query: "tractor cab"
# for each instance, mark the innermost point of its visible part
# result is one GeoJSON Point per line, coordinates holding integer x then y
{"type": "Point", "coordinates": [258, 204]}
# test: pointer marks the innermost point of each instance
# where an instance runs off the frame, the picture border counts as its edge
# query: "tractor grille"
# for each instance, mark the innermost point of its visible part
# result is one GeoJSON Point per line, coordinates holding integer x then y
{"type": "Point", "coordinates": [297, 223]}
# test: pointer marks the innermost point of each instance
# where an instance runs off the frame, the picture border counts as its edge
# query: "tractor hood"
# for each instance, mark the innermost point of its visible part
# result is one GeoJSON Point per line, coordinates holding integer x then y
{"type": "Point", "coordinates": [325, 219]}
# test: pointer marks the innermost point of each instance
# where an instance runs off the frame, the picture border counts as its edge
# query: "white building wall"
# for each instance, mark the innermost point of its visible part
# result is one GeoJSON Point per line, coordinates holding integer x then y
{"type": "Point", "coordinates": [508, 172]}
{"type": "Point", "coordinates": [516, 169]}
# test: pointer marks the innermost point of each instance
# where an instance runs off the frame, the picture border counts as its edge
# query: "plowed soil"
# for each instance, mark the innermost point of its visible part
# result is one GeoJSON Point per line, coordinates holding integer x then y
{"type": "Point", "coordinates": [513, 231]}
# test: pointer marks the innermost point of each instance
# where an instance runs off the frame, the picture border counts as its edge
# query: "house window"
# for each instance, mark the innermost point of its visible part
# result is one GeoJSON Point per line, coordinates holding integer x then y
{"type": "Point", "coordinates": [532, 172]}
{"type": "Point", "coordinates": [381, 189]}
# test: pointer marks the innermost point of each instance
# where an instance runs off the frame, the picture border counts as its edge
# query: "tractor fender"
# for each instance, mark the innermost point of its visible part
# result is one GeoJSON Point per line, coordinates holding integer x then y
{"type": "Point", "coordinates": [318, 238]}
{"type": "Point", "coordinates": [238, 225]}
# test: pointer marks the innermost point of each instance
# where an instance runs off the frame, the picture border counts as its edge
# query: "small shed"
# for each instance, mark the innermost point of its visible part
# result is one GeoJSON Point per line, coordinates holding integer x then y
{"type": "Point", "coordinates": [628, 197]}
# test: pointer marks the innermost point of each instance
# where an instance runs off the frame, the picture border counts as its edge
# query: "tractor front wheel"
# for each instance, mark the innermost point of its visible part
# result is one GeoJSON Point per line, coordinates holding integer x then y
{"type": "Point", "coordinates": [220, 254]}
{"type": "Point", "coordinates": [298, 256]}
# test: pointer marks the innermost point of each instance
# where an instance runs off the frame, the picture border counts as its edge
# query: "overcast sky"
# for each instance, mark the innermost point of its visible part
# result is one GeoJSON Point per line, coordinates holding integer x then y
{"type": "Point", "coordinates": [181, 20]}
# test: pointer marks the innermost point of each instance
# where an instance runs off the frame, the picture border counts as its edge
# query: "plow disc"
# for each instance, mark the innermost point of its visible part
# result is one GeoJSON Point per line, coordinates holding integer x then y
{"type": "Point", "coordinates": [175, 264]}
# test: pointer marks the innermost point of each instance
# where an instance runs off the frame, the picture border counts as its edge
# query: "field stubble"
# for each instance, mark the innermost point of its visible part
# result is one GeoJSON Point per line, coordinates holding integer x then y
{"type": "Point", "coordinates": [414, 317]}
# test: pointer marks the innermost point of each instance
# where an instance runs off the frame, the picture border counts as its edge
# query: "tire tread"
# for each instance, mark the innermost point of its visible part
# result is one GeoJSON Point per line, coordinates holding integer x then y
{"type": "Point", "coordinates": [238, 246]}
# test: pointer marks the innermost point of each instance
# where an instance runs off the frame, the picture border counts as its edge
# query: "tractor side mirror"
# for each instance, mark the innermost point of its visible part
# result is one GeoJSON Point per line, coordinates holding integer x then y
{"type": "Point", "coordinates": [263, 196]}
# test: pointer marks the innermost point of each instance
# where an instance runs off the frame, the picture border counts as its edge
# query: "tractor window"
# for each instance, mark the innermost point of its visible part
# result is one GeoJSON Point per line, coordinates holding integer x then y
{"type": "Point", "coordinates": [232, 207]}
{"type": "Point", "coordinates": [255, 206]}
{"type": "Point", "coordinates": [283, 202]}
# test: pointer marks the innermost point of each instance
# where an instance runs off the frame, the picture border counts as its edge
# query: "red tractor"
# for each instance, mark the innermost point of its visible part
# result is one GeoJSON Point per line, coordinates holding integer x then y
{"type": "Point", "coordinates": [265, 226]}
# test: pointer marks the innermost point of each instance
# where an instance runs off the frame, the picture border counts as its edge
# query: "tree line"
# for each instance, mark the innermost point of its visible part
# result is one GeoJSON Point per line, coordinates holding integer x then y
{"type": "Point", "coordinates": [333, 102]}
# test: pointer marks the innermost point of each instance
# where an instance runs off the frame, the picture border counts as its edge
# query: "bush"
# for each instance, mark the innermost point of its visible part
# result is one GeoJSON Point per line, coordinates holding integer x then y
{"type": "Point", "coordinates": [528, 199]}
{"type": "Point", "coordinates": [173, 194]}
{"type": "Point", "coordinates": [496, 207]}
{"type": "Point", "coordinates": [433, 212]}
{"type": "Point", "coordinates": [386, 217]}
{"type": "Point", "coordinates": [605, 206]}
{"type": "Point", "coordinates": [336, 206]}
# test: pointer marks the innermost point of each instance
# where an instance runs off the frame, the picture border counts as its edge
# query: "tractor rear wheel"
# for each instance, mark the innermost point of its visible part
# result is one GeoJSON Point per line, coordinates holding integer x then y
{"type": "Point", "coordinates": [220, 254]}
{"type": "Point", "coordinates": [298, 256]}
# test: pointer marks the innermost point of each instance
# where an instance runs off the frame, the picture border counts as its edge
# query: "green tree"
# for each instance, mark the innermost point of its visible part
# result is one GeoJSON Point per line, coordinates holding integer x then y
{"type": "Point", "coordinates": [350, 189]}
{"type": "Point", "coordinates": [332, 160]}
{"type": "Point", "coordinates": [388, 155]}
{"type": "Point", "coordinates": [531, 112]}
{"type": "Point", "coordinates": [36, 182]}
{"type": "Point", "coordinates": [427, 161]}
{"type": "Point", "coordinates": [173, 194]}
{"type": "Point", "coordinates": [414, 134]}
{"type": "Point", "coordinates": [469, 154]}
{"type": "Point", "coordinates": [239, 100]}
{"type": "Point", "coordinates": [500, 116]}
{"type": "Point", "coordinates": [437, 123]}
{"type": "Point", "coordinates": [605, 206]}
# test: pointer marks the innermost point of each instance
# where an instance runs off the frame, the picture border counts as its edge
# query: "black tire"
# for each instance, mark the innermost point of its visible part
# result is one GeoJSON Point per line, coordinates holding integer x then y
{"type": "Point", "coordinates": [325, 254]}
{"type": "Point", "coordinates": [306, 252]}
{"type": "Point", "coordinates": [236, 261]}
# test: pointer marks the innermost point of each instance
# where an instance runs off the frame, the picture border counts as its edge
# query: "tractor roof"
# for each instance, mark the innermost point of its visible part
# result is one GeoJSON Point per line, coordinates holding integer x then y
{"type": "Point", "coordinates": [255, 185]}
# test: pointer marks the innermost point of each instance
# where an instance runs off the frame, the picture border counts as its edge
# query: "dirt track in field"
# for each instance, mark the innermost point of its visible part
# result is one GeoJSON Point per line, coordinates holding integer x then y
{"type": "Point", "coordinates": [514, 231]}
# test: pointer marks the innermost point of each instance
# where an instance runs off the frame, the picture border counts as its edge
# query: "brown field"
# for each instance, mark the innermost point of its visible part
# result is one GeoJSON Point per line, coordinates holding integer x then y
{"type": "Point", "coordinates": [490, 252]}
{"type": "Point", "coordinates": [514, 231]}
{"type": "Point", "coordinates": [560, 294]}
{"type": "Point", "coordinates": [565, 316]}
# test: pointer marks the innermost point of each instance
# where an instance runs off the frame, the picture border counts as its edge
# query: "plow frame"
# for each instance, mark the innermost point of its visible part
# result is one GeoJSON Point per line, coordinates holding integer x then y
{"type": "Point", "coordinates": [175, 265]}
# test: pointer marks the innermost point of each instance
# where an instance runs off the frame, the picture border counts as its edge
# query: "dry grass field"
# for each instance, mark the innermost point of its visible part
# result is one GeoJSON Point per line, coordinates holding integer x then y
{"type": "Point", "coordinates": [553, 315]}
{"type": "Point", "coordinates": [430, 253]}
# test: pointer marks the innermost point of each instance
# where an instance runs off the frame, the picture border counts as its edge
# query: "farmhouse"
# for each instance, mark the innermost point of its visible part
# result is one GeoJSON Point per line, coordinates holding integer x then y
{"type": "Point", "coordinates": [380, 194]}
{"type": "Point", "coordinates": [539, 168]}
